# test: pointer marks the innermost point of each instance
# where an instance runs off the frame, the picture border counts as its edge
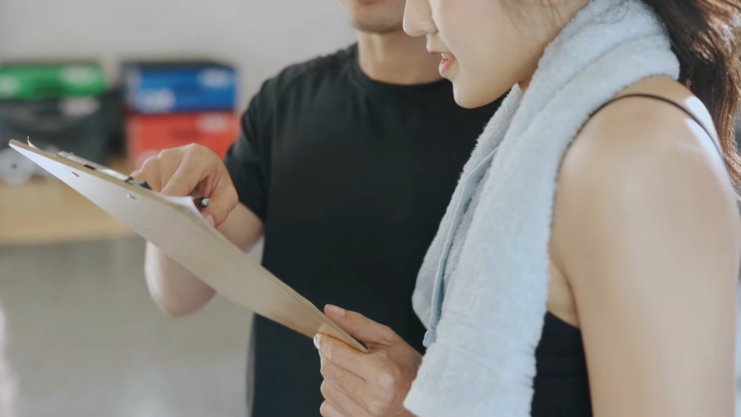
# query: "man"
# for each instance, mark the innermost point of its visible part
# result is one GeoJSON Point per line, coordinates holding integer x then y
{"type": "Point", "coordinates": [346, 164]}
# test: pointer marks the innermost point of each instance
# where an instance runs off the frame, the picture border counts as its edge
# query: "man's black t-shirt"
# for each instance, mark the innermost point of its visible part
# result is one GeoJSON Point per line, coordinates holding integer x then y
{"type": "Point", "coordinates": [351, 178]}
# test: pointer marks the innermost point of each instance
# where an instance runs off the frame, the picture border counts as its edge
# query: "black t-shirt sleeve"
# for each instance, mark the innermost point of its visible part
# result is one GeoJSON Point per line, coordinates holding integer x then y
{"type": "Point", "coordinates": [248, 159]}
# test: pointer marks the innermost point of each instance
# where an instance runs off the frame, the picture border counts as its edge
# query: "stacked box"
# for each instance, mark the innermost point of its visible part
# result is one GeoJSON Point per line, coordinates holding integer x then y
{"type": "Point", "coordinates": [73, 124]}
{"type": "Point", "coordinates": [177, 103]}
{"type": "Point", "coordinates": [150, 134]}
{"type": "Point", "coordinates": [27, 81]}
{"type": "Point", "coordinates": [57, 106]}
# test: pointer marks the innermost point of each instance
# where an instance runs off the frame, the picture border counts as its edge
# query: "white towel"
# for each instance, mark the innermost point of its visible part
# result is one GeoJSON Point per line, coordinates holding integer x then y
{"type": "Point", "coordinates": [484, 327]}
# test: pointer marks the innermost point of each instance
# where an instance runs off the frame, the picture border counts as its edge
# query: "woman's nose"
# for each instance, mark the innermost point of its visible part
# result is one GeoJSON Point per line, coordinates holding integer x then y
{"type": "Point", "coordinates": [418, 18]}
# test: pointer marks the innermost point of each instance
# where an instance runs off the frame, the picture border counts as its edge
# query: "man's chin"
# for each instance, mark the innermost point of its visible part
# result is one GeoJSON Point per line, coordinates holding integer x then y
{"type": "Point", "coordinates": [377, 28]}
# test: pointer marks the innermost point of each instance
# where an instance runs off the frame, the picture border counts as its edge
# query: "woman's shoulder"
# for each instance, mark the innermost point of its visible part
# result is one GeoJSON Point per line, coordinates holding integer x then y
{"type": "Point", "coordinates": [640, 165]}
{"type": "Point", "coordinates": [649, 142]}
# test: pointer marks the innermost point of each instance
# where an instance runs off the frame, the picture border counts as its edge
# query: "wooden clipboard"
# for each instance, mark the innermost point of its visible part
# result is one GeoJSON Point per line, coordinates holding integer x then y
{"type": "Point", "coordinates": [176, 227]}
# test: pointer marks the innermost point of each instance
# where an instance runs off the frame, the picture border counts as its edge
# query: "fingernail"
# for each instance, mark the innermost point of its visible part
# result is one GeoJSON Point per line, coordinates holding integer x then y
{"type": "Point", "coordinates": [316, 341]}
{"type": "Point", "coordinates": [335, 310]}
{"type": "Point", "coordinates": [210, 220]}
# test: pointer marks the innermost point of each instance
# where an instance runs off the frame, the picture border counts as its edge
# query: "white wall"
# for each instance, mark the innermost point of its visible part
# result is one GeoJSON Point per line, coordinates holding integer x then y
{"type": "Point", "coordinates": [259, 36]}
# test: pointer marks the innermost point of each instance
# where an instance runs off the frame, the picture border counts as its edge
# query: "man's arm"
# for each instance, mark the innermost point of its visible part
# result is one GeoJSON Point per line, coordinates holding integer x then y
{"type": "Point", "coordinates": [174, 289]}
{"type": "Point", "coordinates": [237, 187]}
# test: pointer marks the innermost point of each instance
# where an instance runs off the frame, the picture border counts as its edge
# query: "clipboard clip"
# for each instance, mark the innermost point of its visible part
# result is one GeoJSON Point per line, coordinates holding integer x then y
{"type": "Point", "coordinates": [103, 170]}
{"type": "Point", "coordinates": [97, 167]}
{"type": "Point", "coordinates": [200, 202]}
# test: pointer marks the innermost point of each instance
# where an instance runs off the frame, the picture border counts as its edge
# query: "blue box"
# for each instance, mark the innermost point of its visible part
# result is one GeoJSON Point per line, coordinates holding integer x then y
{"type": "Point", "coordinates": [179, 86]}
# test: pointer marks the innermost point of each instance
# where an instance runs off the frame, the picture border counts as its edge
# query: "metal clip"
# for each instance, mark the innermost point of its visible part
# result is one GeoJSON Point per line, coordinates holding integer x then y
{"type": "Point", "coordinates": [97, 167]}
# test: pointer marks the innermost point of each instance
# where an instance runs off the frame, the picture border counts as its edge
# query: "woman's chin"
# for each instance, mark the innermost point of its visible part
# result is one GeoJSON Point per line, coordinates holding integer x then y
{"type": "Point", "coordinates": [471, 95]}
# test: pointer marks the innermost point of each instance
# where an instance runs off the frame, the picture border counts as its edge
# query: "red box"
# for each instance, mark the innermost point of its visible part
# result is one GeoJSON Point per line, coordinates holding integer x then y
{"type": "Point", "coordinates": [150, 134]}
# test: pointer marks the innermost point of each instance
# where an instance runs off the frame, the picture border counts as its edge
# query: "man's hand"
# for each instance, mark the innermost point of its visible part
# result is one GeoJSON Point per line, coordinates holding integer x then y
{"type": "Point", "coordinates": [192, 170]}
{"type": "Point", "coordinates": [365, 385]}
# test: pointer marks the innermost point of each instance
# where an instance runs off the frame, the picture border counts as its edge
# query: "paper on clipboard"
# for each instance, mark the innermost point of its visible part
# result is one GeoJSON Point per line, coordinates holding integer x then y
{"type": "Point", "coordinates": [176, 227]}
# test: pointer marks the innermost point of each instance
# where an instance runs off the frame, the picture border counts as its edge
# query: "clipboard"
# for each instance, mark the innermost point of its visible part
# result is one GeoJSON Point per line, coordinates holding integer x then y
{"type": "Point", "coordinates": [176, 227]}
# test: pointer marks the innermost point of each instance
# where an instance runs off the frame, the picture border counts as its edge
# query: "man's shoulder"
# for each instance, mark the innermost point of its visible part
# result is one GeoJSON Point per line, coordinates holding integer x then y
{"type": "Point", "coordinates": [298, 74]}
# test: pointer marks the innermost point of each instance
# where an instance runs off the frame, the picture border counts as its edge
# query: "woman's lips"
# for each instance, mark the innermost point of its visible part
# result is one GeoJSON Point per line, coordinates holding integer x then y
{"type": "Point", "coordinates": [446, 63]}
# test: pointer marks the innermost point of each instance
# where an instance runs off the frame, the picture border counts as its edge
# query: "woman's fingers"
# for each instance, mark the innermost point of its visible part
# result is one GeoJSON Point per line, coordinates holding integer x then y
{"type": "Point", "coordinates": [360, 327]}
{"type": "Point", "coordinates": [343, 355]}
{"type": "Point", "coordinates": [377, 382]}
{"type": "Point", "coordinates": [343, 404]}
{"type": "Point", "coordinates": [346, 382]}
{"type": "Point", "coordinates": [326, 410]}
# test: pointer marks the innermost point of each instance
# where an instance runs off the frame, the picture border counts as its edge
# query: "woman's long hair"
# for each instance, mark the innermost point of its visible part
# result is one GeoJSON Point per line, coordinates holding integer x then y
{"type": "Point", "coordinates": [704, 36]}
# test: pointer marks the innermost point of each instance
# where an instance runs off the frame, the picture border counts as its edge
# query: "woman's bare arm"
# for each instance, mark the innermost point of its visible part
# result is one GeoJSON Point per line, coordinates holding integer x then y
{"type": "Point", "coordinates": [646, 230]}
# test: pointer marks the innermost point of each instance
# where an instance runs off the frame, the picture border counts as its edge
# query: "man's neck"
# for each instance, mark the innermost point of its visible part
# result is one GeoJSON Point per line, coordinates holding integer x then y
{"type": "Point", "coordinates": [396, 58]}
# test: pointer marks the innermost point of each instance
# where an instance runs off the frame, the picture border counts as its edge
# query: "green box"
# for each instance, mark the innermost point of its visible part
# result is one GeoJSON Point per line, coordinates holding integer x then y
{"type": "Point", "coordinates": [43, 81]}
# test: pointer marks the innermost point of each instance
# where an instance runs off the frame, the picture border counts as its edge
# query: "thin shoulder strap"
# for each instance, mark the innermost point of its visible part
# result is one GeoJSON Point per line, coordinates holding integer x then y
{"type": "Point", "coordinates": [673, 103]}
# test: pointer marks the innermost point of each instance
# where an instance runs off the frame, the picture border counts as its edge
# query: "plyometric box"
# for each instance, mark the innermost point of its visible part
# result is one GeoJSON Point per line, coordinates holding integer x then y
{"type": "Point", "coordinates": [154, 87]}
{"type": "Point", "coordinates": [149, 134]}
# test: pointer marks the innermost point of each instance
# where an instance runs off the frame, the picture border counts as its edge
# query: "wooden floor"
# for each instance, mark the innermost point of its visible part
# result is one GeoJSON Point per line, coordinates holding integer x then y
{"type": "Point", "coordinates": [45, 210]}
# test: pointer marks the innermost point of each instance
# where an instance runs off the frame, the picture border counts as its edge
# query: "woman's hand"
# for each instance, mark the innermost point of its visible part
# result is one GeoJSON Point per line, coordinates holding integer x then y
{"type": "Point", "coordinates": [364, 385]}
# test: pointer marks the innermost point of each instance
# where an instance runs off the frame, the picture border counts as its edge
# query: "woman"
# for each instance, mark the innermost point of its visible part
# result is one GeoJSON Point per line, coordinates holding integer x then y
{"type": "Point", "coordinates": [588, 262]}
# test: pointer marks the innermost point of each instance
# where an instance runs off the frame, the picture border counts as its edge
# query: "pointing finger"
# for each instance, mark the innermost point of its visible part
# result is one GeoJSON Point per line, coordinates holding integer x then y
{"type": "Point", "coordinates": [186, 177]}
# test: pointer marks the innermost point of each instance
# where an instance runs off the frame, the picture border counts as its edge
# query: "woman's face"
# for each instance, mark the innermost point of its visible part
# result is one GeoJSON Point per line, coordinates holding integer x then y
{"type": "Point", "coordinates": [487, 46]}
